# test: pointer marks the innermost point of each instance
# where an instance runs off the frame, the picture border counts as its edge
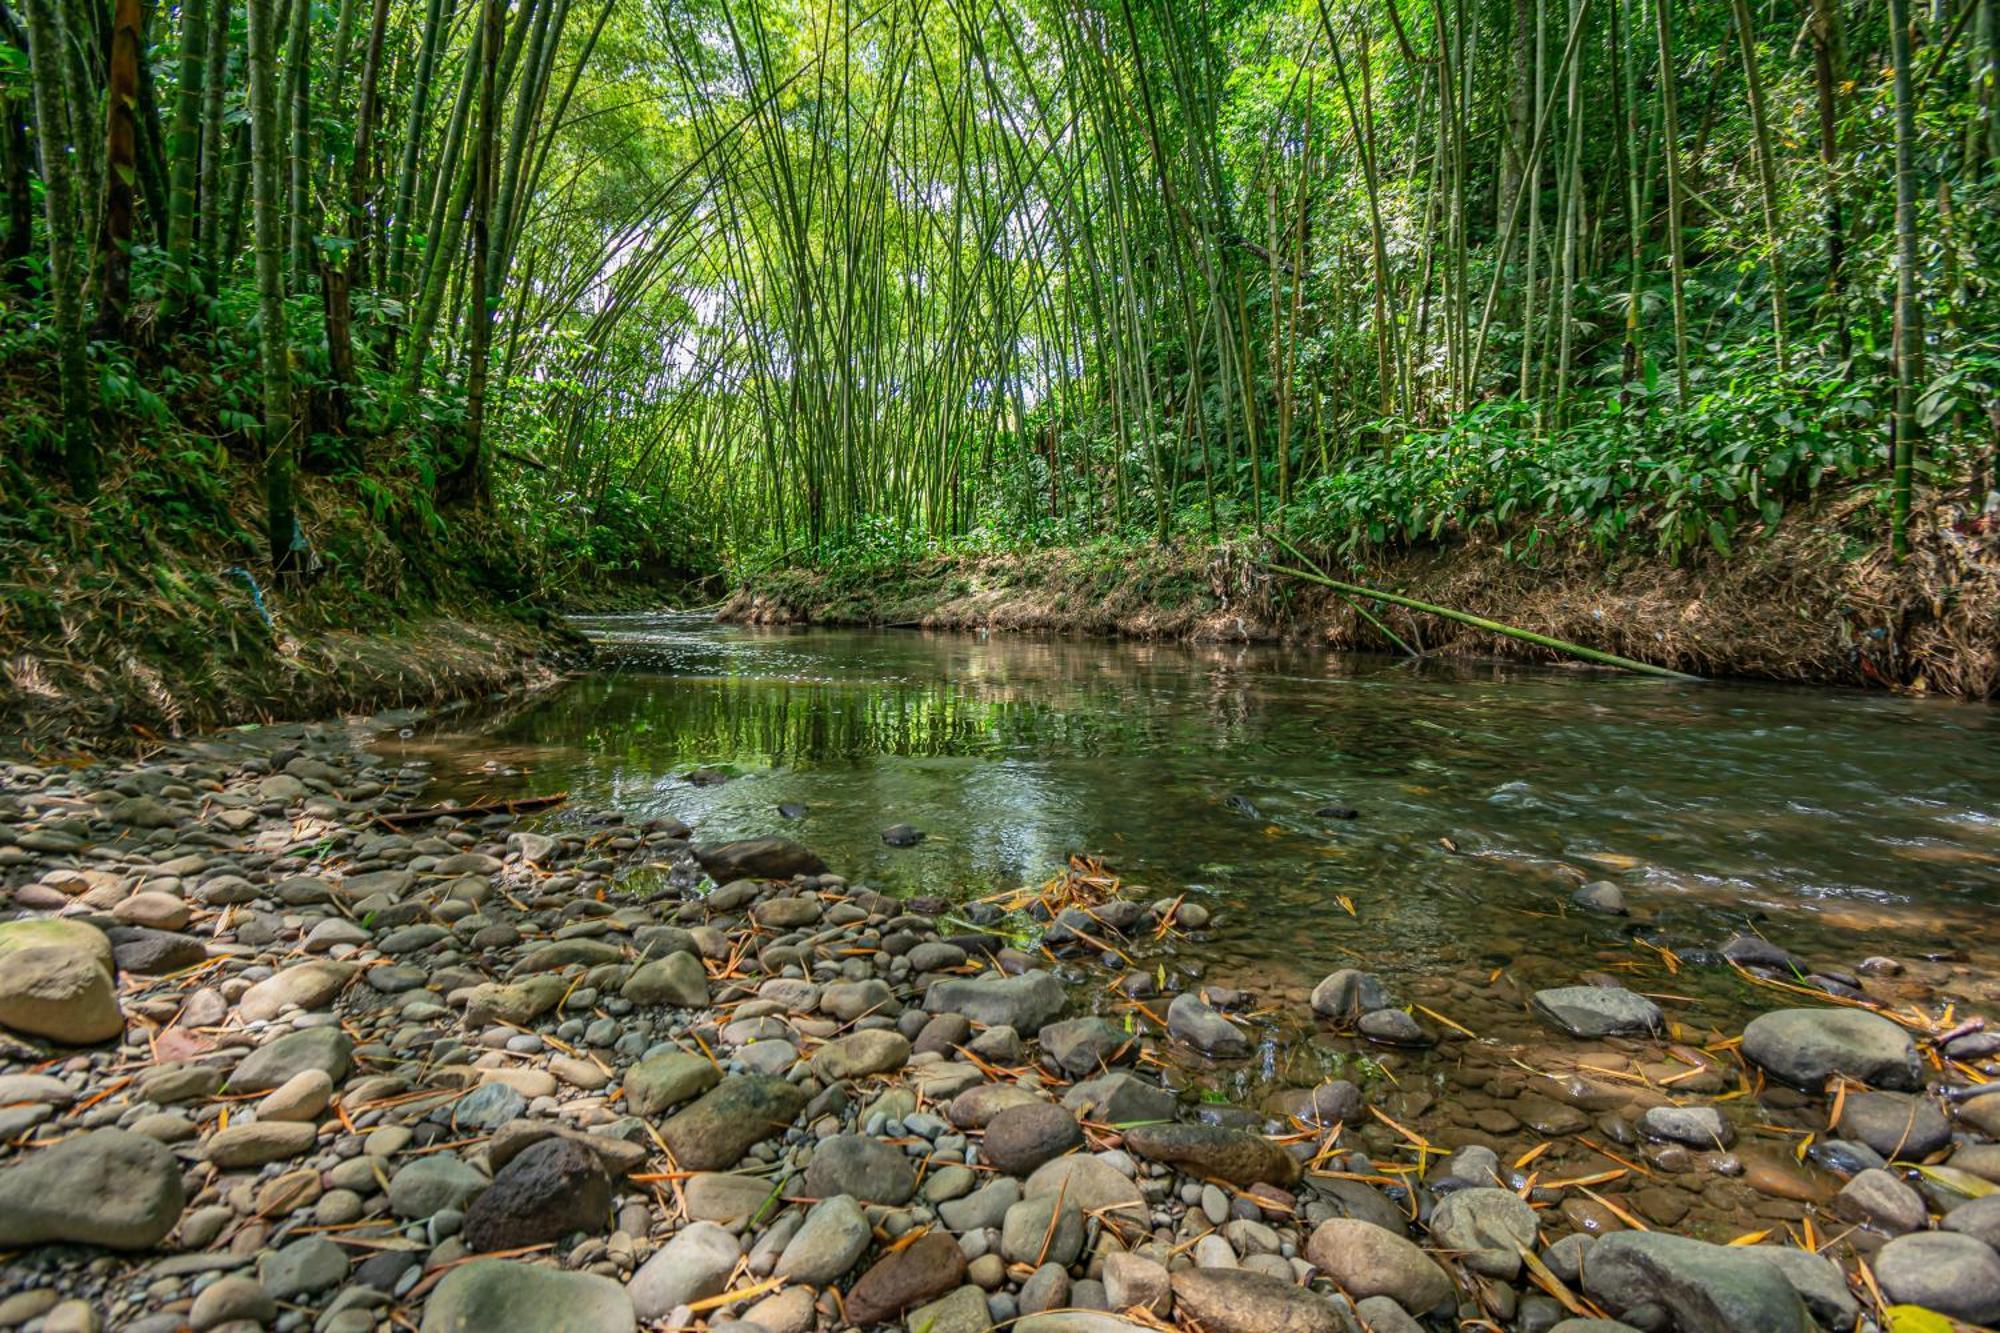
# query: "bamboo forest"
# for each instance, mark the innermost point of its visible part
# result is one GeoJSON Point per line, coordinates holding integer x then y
{"type": "Point", "coordinates": [1073, 666]}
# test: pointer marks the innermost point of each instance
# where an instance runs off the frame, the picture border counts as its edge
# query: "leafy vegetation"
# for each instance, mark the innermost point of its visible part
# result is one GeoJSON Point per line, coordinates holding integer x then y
{"type": "Point", "coordinates": [561, 291]}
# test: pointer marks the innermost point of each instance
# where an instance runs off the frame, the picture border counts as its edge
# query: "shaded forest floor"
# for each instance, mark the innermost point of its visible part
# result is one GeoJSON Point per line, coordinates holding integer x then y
{"type": "Point", "coordinates": [1816, 600]}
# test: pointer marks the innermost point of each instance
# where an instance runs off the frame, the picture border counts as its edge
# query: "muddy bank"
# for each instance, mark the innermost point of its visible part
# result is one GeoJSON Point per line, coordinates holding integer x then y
{"type": "Point", "coordinates": [1816, 601]}
{"type": "Point", "coordinates": [103, 691]}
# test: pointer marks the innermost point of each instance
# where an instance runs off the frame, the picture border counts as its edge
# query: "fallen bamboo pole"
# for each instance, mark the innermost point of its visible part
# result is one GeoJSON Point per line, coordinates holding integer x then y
{"type": "Point", "coordinates": [1493, 626]}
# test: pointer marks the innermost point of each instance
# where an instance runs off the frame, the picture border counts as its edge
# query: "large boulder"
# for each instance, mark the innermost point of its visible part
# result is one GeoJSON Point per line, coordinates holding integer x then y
{"type": "Point", "coordinates": [56, 981]}
{"type": "Point", "coordinates": [107, 1187]}
{"type": "Point", "coordinates": [1710, 1288]}
{"type": "Point", "coordinates": [1806, 1047]}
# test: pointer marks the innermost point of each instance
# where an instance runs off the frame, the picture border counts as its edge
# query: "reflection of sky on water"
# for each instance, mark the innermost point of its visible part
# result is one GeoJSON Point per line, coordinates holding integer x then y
{"type": "Point", "coordinates": [1707, 801]}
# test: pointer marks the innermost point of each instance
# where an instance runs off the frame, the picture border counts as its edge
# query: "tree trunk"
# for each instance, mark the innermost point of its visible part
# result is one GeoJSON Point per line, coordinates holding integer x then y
{"type": "Point", "coordinates": [210, 214]}
{"type": "Point", "coordinates": [267, 190]}
{"type": "Point", "coordinates": [466, 481]}
{"type": "Point", "coordinates": [1909, 336]}
{"type": "Point", "coordinates": [121, 173]}
{"type": "Point", "coordinates": [48, 41]}
{"type": "Point", "coordinates": [181, 278]}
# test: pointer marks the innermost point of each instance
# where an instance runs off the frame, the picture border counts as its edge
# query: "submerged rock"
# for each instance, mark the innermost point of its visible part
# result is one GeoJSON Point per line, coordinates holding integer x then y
{"type": "Point", "coordinates": [758, 858]}
{"type": "Point", "coordinates": [1597, 1011]}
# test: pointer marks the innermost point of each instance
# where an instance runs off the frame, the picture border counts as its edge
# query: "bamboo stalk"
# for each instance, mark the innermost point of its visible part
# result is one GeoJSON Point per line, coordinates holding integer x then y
{"type": "Point", "coordinates": [1492, 626]}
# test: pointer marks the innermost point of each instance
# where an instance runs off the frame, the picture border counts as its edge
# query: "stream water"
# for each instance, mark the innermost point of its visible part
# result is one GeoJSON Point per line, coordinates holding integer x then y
{"type": "Point", "coordinates": [1837, 825]}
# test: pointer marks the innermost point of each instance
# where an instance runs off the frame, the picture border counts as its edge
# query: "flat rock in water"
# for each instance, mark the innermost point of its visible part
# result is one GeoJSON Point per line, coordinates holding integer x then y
{"type": "Point", "coordinates": [490, 1294]}
{"type": "Point", "coordinates": [107, 1187]}
{"type": "Point", "coordinates": [1348, 993]}
{"type": "Point", "coordinates": [1234, 1300]}
{"type": "Point", "coordinates": [758, 858]}
{"type": "Point", "coordinates": [1897, 1125]}
{"type": "Point", "coordinates": [1234, 1155]}
{"type": "Point", "coordinates": [1710, 1288]}
{"type": "Point", "coordinates": [1805, 1047]}
{"type": "Point", "coordinates": [1598, 1011]}
{"type": "Point", "coordinates": [1194, 1022]}
{"type": "Point", "coordinates": [715, 1132]}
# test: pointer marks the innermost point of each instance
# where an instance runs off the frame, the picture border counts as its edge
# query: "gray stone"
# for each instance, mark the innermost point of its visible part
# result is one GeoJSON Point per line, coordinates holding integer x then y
{"type": "Point", "coordinates": [302, 1268]}
{"type": "Point", "coordinates": [1024, 1003]}
{"type": "Point", "coordinates": [870, 1051]}
{"type": "Point", "coordinates": [1233, 1300]}
{"type": "Point", "coordinates": [1710, 1288]}
{"type": "Point", "coordinates": [1901, 1127]}
{"type": "Point", "coordinates": [1348, 993]}
{"type": "Point", "coordinates": [715, 1132]}
{"type": "Point", "coordinates": [866, 1168]}
{"type": "Point", "coordinates": [1882, 1201]}
{"type": "Point", "coordinates": [432, 1184]}
{"type": "Point", "coordinates": [1598, 1011]}
{"type": "Point", "coordinates": [1367, 1260]}
{"type": "Point", "coordinates": [757, 858]}
{"type": "Point", "coordinates": [55, 981]}
{"type": "Point", "coordinates": [1191, 1020]}
{"type": "Point", "coordinates": [1080, 1047]}
{"type": "Point", "coordinates": [677, 979]}
{"type": "Point", "coordinates": [105, 1187]}
{"type": "Point", "coordinates": [1489, 1227]}
{"type": "Point", "coordinates": [693, 1266]}
{"type": "Point", "coordinates": [1696, 1126]}
{"type": "Point", "coordinates": [1944, 1271]}
{"type": "Point", "coordinates": [1120, 1099]}
{"type": "Point", "coordinates": [661, 1082]}
{"type": "Point", "coordinates": [1805, 1047]}
{"type": "Point", "coordinates": [1042, 1230]}
{"type": "Point", "coordinates": [492, 1294]}
{"type": "Point", "coordinates": [828, 1243]}
{"type": "Point", "coordinates": [1021, 1138]}
{"type": "Point", "coordinates": [327, 1049]}
{"type": "Point", "coordinates": [1234, 1155]}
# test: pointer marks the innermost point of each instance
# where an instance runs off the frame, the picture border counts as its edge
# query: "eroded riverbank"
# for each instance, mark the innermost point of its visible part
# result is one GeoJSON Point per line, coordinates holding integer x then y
{"type": "Point", "coordinates": [285, 1065]}
{"type": "Point", "coordinates": [1813, 601]}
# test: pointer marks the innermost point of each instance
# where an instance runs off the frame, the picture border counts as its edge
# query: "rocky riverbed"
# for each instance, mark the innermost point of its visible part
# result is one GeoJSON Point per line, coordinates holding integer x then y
{"type": "Point", "coordinates": [270, 1058]}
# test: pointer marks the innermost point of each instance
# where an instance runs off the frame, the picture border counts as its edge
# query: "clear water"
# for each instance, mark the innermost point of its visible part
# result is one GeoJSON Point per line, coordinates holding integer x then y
{"type": "Point", "coordinates": [1839, 825]}
{"type": "Point", "coordinates": [1486, 791]}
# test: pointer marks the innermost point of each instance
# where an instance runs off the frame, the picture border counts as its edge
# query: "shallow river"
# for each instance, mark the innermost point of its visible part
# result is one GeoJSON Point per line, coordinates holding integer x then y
{"type": "Point", "coordinates": [1484, 791]}
{"type": "Point", "coordinates": [1837, 825]}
